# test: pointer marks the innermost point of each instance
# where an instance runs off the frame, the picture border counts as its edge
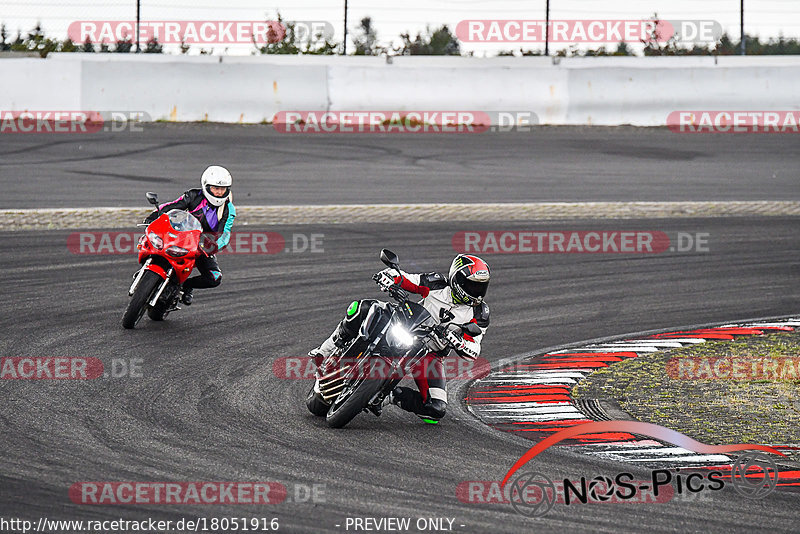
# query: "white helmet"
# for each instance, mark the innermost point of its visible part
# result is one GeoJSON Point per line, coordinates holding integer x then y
{"type": "Point", "coordinates": [218, 177]}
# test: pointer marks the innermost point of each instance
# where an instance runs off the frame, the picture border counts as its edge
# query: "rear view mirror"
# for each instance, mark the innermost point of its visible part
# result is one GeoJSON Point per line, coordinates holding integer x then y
{"type": "Point", "coordinates": [152, 198]}
{"type": "Point", "coordinates": [472, 329]}
{"type": "Point", "coordinates": [390, 259]}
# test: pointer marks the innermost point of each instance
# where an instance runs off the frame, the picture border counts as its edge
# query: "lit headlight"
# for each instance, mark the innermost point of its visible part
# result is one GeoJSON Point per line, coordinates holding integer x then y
{"type": "Point", "coordinates": [176, 251]}
{"type": "Point", "coordinates": [399, 336]}
{"type": "Point", "coordinates": [156, 240]}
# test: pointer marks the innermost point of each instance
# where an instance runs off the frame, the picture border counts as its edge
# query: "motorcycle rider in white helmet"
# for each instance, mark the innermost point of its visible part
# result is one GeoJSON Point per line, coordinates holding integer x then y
{"type": "Point", "coordinates": [453, 300]}
{"type": "Point", "coordinates": [211, 204]}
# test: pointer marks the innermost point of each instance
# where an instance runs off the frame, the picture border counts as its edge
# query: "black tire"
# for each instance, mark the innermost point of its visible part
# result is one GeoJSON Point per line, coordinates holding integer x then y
{"type": "Point", "coordinates": [316, 404]}
{"type": "Point", "coordinates": [138, 303]}
{"type": "Point", "coordinates": [157, 312]}
{"type": "Point", "coordinates": [341, 413]}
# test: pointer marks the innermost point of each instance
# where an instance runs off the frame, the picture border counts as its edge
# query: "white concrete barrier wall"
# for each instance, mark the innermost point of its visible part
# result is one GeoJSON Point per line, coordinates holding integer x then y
{"type": "Point", "coordinates": [606, 91]}
{"type": "Point", "coordinates": [219, 92]}
{"type": "Point", "coordinates": [542, 90]}
{"type": "Point", "coordinates": [34, 84]}
{"type": "Point", "coordinates": [646, 96]}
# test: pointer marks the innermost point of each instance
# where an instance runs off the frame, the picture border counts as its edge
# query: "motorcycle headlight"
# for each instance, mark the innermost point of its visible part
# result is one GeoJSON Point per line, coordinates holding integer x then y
{"type": "Point", "coordinates": [399, 336]}
{"type": "Point", "coordinates": [176, 252]}
{"type": "Point", "coordinates": [156, 240]}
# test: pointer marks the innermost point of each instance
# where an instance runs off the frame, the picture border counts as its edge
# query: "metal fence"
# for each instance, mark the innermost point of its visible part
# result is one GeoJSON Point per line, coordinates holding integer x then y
{"type": "Point", "coordinates": [763, 18]}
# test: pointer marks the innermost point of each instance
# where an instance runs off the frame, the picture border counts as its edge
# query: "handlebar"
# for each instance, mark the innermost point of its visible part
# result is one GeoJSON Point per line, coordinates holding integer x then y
{"type": "Point", "coordinates": [401, 295]}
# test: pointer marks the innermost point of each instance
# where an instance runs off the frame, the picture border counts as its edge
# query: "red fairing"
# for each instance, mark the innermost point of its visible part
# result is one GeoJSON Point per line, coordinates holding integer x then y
{"type": "Point", "coordinates": [190, 239]}
{"type": "Point", "coordinates": [158, 270]}
{"type": "Point", "coordinates": [408, 285]}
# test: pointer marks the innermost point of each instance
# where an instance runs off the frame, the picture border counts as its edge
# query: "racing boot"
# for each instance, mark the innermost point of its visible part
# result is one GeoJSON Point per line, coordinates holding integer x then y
{"type": "Point", "coordinates": [187, 296]}
{"type": "Point", "coordinates": [336, 341]}
{"type": "Point", "coordinates": [377, 409]}
{"type": "Point", "coordinates": [410, 400]}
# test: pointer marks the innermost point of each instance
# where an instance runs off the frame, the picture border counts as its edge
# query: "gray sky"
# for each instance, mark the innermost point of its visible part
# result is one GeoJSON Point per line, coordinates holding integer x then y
{"type": "Point", "coordinates": [765, 18]}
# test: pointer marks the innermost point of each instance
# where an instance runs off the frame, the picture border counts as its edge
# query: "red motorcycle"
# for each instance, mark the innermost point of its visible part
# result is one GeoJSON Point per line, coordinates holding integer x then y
{"type": "Point", "coordinates": [167, 253]}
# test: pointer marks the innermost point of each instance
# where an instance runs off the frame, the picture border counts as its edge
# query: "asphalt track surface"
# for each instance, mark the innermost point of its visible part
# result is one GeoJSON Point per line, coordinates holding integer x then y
{"type": "Point", "coordinates": [209, 407]}
{"type": "Point", "coordinates": [547, 164]}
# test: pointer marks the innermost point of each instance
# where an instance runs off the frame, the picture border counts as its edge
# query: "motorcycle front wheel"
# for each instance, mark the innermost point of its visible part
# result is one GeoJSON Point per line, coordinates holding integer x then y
{"type": "Point", "coordinates": [160, 311]}
{"type": "Point", "coordinates": [141, 296]}
{"type": "Point", "coordinates": [352, 401]}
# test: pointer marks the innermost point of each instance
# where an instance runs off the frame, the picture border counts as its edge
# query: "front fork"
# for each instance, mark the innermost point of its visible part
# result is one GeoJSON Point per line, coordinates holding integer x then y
{"type": "Point", "coordinates": [163, 286]}
{"type": "Point", "coordinates": [139, 276]}
{"type": "Point", "coordinates": [399, 368]}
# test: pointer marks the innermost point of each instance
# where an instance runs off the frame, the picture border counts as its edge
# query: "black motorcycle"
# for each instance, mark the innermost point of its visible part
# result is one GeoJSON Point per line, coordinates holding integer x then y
{"type": "Point", "coordinates": [391, 340]}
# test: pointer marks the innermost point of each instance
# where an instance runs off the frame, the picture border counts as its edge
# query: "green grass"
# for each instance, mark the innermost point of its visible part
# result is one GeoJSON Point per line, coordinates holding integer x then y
{"type": "Point", "coordinates": [759, 410]}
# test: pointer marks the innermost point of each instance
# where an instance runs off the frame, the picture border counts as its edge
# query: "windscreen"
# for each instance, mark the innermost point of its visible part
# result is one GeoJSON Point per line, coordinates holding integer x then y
{"type": "Point", "coordinates": [183, 221]}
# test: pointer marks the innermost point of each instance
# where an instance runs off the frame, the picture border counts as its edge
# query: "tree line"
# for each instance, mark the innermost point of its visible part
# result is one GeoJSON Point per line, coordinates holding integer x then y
{"type": "Point", "coordinates": [431, 42]}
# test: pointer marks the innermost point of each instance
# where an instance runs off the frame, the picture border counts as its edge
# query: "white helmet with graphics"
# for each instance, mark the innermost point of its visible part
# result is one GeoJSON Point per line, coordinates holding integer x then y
{"type": "Point", "coordinates": [469, 279]}
{"type": "Point", "coordinates": [217, 177]}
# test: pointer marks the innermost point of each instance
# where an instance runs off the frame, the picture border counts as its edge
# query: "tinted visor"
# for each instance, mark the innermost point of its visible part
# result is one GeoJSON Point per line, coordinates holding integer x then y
{"type": "Point", "coordinates": [470, 287]}
{"type": "Point", "coordinates": [223, 195]}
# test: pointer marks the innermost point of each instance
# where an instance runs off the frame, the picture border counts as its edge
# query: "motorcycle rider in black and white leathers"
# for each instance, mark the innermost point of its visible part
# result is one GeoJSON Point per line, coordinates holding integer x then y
{"type": "Point", "coordinates": [453, 300]}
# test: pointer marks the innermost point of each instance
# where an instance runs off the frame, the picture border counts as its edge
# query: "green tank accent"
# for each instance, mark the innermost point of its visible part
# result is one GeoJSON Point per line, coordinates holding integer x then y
{"type": "Point", "coordinates": [353, 309]}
